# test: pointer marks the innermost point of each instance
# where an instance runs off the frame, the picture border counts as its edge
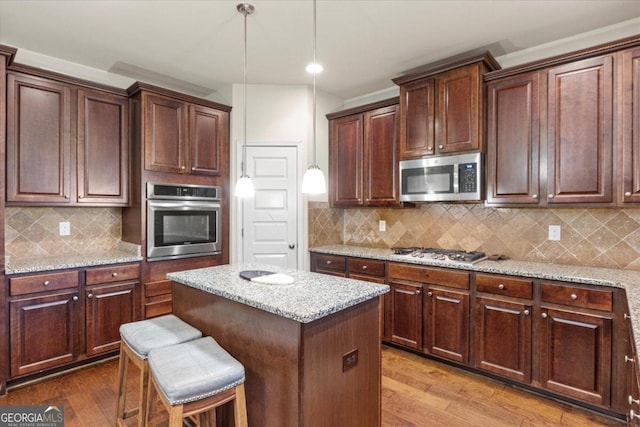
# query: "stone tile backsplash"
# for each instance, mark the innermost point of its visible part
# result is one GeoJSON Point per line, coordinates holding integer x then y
{"type": "Point", "coordinates": [589, 237]}
{"type": "Point", "coordinates": [33, 231]}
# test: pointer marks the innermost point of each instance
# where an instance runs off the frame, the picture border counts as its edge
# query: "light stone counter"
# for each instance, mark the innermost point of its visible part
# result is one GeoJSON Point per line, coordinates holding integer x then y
{"type": "Point", "coordinates": [626, 279]}
{"type": "Point", "coordinates": [311, 296]}
{"type": "Point", "coordinates": [126, 252]}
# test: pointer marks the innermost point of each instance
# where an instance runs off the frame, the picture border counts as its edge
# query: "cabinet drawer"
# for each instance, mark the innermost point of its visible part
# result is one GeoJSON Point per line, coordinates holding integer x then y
{"type": "Point", "coordinates": [42, 283]}
{"type": "Point", "coordinates": [153, 289]}
{"type": "Point", "coordinates": [452, 279]}
{"type": "Point", "coordinates": [575, 296]}
{"type": "Point", "coordinates": [331, 262]}
{"type": "Point", "coordinates": [502, 285]}
{"type": "Point", "coordinates": [367, 267]}
{"type": "Point", "coordinates": [114, 273]}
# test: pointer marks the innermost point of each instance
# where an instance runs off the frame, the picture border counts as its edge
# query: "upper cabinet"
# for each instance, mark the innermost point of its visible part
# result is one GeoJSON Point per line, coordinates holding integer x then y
{"type": "Point", "coordinates": [66, 144]}
{"type": "Point", "coordinates": [363, 163]}
{"type": "Point", "coordinates": [564, 131]}
{"type": "Point", "coordinates": [181, 135]}
{"type": "Point", "coordinates": [441, 107]}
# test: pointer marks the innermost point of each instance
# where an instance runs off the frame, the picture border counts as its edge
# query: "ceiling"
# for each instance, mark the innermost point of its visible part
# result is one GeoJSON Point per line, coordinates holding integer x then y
{"type": "Point", "coordinates": [197, 46]}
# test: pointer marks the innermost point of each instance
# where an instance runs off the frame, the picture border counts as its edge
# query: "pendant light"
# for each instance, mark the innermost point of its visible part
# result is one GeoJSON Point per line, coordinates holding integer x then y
{"type": "Point", "coordinates": [313, 181]}
{"type": "Point", "coordinates": [244, 186]}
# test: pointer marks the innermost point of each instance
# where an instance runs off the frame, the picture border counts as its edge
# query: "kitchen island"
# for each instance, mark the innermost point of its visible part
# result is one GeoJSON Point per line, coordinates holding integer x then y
{"type": "Point", "coordinates": [311, 349]}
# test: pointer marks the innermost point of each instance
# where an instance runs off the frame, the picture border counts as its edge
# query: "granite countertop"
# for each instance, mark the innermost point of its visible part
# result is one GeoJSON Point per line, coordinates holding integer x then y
{"type": "Point", "coordinates": [126, 252]}
{"type": "Point", "coordinates": [311, 296]}
{"type": "Point", "coordinates": [628, 280]}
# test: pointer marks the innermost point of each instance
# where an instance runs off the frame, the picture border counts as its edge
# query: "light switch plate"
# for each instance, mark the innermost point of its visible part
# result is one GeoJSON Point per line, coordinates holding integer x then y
{"type": "Point", "coordinates": [554, 232]}
{"type": "Point", "coordinates": [65, 228]}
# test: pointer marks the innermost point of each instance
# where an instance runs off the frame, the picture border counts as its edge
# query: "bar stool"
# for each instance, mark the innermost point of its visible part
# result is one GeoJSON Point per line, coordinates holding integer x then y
{"type": "Point", "coordinates": [137, 340]}
{"type": "Point", "coordinates": [194, 378]}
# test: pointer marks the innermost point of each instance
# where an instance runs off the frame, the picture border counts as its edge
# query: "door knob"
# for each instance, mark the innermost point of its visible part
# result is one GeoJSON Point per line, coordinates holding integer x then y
{"type": "Point", "coordinates": [292, 246]}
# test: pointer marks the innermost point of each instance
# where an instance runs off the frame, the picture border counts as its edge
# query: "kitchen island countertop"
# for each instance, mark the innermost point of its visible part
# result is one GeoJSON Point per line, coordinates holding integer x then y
{"type": "Point", "coordinates": [311, 296]}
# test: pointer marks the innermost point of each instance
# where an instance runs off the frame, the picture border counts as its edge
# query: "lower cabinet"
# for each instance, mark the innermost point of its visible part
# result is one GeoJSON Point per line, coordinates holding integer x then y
{"type": "Point", "coordinates": [405, 314]}
{"type": "Point", "coordinates": [57, 318]}
{"type": "Point", "coordinates": [447, 323]}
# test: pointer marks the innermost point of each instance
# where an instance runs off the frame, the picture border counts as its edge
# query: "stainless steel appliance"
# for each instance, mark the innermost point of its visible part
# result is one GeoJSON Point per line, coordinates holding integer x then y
{"type": "Point", "coordinates": [441, 178]}
{"type": "Point", "coordinates": [182, 221]}
{"type": "Point", "coordinates": [452, 255]}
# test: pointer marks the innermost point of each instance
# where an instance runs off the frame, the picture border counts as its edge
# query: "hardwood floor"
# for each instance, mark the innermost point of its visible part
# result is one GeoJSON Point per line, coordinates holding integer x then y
{"type": "Point", "coordinates": [415, 392]}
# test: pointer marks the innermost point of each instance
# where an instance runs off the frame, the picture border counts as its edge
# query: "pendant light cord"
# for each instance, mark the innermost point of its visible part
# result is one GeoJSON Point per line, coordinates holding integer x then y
{"type": "Point", "coordinates": [244, 140]}
{"type": "Point", "coordinates": [314, 83]}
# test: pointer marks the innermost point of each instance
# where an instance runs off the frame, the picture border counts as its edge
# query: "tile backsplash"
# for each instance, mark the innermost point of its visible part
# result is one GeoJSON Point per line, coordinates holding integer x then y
{"type": "Point", "coordinates": [590, 237]}
{"type": "Point", "coordinates": [33, 231]}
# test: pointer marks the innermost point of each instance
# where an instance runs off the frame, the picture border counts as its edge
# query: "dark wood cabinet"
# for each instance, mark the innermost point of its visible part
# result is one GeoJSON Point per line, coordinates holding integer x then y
{"type": "Point", "coordinates": [503, 326]}
{"type": "Point", "coordinates": [442, 106]}
{"type": "Point", "coordinates": [447, 323]}
{"type": "Point", "coordinates": [630, 129]}
{"type": "Point", "coordinates": [333, 265]}
{"type": "Point", "coordinates": [513, 140]}
{"type": "Point", "coordinates": [363, 156]}
{"type": "Point", "coordinates": [580, 132]}
{"type": "Point", "coordinates": [181, 137]}
{"type": "Point", "coordinates": [66, 144]}
{"type": "Point", "coordinates": [405, 323]}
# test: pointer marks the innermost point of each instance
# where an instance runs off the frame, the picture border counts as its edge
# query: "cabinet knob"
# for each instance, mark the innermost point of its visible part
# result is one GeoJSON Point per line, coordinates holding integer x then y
{"type": "Point", "coordinates": [626, 316]}
{"type": "Point", "coordinates": [66, 196]}
{"type": "Point", "coordinates": [632, 415]}
{"type": "Point", "coordinates": [501, 286]}
{"type": "Point", "coordinates": [430, 293]}
{"type": "Point", "coordinates": [328, 262]}
{"type": "Point", "coordinates": [193, 168]}
{"type": "Point", "coordinates": [183, 167]}
{"type": "Point", "coordinates": [429, 148]}
{"type": "Point", "coordinates": [364, 267]}
{"type": "Point", "coordinates": [90, 296]}
{"type": "Point", "coordinates": [441, 146]}
{"type": "Point", "coordinates": [80, 196]}
{"type": "Point", "coordinates": [526, 312]}
{"type": "Point", "coordinates": [631, 400]}
{"type": "Point", "coordinates": [534, 196]}
{"type": "Point", "coordinates": [75, 298]}
{"type": "Point", "coordinates": [550, 196]}
{"type": "Point", "coordinates": [418, 292]}
{"type": "Point", "coordinates": [545, 315]}
{"type": "Point", "coordinates": [114, 274]}
{"type": "Point", "coordinates": [46, 283]}
{"type": "Point", "coordinates": [574, 297]}
{"type": "Point", "coordinates": [627, 194]}
{"type": "Point", "coordinates": [628, 359]}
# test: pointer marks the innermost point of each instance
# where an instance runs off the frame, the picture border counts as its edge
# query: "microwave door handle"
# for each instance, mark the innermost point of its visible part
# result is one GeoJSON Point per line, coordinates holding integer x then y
{"type": "Point", "coordinates": [456, 178]}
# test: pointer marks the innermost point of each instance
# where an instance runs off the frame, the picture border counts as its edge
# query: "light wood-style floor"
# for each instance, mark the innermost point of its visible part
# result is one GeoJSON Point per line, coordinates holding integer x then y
{"type": "Point", "coordinates": [415, 392]}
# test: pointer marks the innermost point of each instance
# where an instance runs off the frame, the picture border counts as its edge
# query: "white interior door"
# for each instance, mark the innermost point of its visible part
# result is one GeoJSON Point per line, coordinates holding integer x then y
{"type": "Point", "coordinates": [270, 217]}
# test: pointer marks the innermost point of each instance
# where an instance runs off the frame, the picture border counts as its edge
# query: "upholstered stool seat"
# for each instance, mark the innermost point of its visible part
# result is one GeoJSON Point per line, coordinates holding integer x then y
{"type": "Point", "coordinates": [195, 377]}
{"type": "Point", "coordinates": [137, 340]}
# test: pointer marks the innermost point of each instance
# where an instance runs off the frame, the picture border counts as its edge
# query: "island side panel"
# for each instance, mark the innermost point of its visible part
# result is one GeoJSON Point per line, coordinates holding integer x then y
{"type": "Point", "coordinates": [333, 396]}
{"type": "Point", "coordinates": [266, 344]}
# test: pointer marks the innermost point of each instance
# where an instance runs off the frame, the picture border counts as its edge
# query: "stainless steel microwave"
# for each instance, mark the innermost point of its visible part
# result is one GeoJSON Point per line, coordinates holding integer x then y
{"type": "Point", "coordinates": [441, 178]}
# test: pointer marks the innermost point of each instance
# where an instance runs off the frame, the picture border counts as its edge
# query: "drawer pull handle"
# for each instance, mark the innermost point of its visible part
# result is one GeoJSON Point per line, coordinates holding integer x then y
{"type": "Point", "coordinates": [46, 283]}
{"type": "Point", "coordinates": [628, 359]}
{"type": "Point", "coordinates": [328, 262]}
{"type": "Point", "coordinates": [75, 298]}
{"type": "Point", "coordinates": [544, 315]}
{"type": "Point", "coordinates": [114, 274]}
{"type": "Point", "coordinates": [631, 400]}
{"type": "Point", "coordinates": [526, 312]}
{"type": "Point", "coordinates": [364, 267]}
{"type": "Point", "coordinates": [574, 297]}
{"type": "Point", "coordinates": [501, 286]}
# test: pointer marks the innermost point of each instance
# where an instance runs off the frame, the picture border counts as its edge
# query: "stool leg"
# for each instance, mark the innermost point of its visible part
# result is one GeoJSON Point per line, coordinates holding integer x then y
{"type": "Point", "coordinates": [122, 385]}
{"type": "Point", "coordinates": [144, 391]}
{"type": "Point", "coordinates": [175, 416]}
{"type": "Point", "coordinates": [240, 407]}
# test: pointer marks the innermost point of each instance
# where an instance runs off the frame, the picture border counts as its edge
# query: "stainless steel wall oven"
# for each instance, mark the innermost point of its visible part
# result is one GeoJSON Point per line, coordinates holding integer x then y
{"type": "Point", "coordinates": [182, 221]}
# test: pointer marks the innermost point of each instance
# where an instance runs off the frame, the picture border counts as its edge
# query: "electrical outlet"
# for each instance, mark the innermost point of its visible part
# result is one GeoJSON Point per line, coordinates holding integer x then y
{"type": "Point", "coordinates": [65, 228]}
{"type": "Point", "coordinates": [349, 360]}
{"type": "Point", "coordinates": [554, 232]}
{"type": "Point", "coordinates": [382, 225]}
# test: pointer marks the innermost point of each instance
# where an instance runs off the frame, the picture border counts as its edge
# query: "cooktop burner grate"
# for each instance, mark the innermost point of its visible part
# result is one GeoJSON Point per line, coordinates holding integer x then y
{"type": "Point", "coordinates": [441, 254]}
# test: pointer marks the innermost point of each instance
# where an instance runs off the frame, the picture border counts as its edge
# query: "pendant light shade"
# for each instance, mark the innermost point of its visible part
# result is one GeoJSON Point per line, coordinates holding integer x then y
{"type": "Point", "coordinates": [313, 181]}
{"type": "Point", "coordinates": [244, 186]}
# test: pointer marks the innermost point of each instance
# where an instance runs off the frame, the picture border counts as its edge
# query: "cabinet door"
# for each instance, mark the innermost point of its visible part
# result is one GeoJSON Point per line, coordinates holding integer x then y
{"type": "Point", "coordinates": [43, 332]}
{"type": "Point", "coordinates": [417, 119]}
{"type": "Point", "coordinates": [575, 354]}
{"type": "Point", "coordinates": [103, 148]}
{"type": "Point", "coordinates": [459, 114]}
{"type": "Point", "coordinates": [503, 338]}
{"type": "Point", "coordinates": [630, 62]}
{"type": "Point", "coordinates": [406, 314]}
{"type": "Point", "coordinates": [106, 308]}
{"type": "Point", "coordinates": [513, 141]}
{"type": "Point", "coordinates": [346, 161]}
{"type": "Point", "coordinates": [206, 135]}
{"type": "Point", "coordinates": [38, 140]}
{"type": "Point", "coordinates": [380, 159]}
{"type": "Point", "coordinates": [447, 324]}
{"type": "Point", "coordinates": [165, 134]}
{"type": "Point", "coordinates": [580, 132]}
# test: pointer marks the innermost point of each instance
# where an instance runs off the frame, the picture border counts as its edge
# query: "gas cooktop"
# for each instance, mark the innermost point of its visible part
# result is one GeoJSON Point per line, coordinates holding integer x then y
{"type": "Point", "coordinates": [441, 254]}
